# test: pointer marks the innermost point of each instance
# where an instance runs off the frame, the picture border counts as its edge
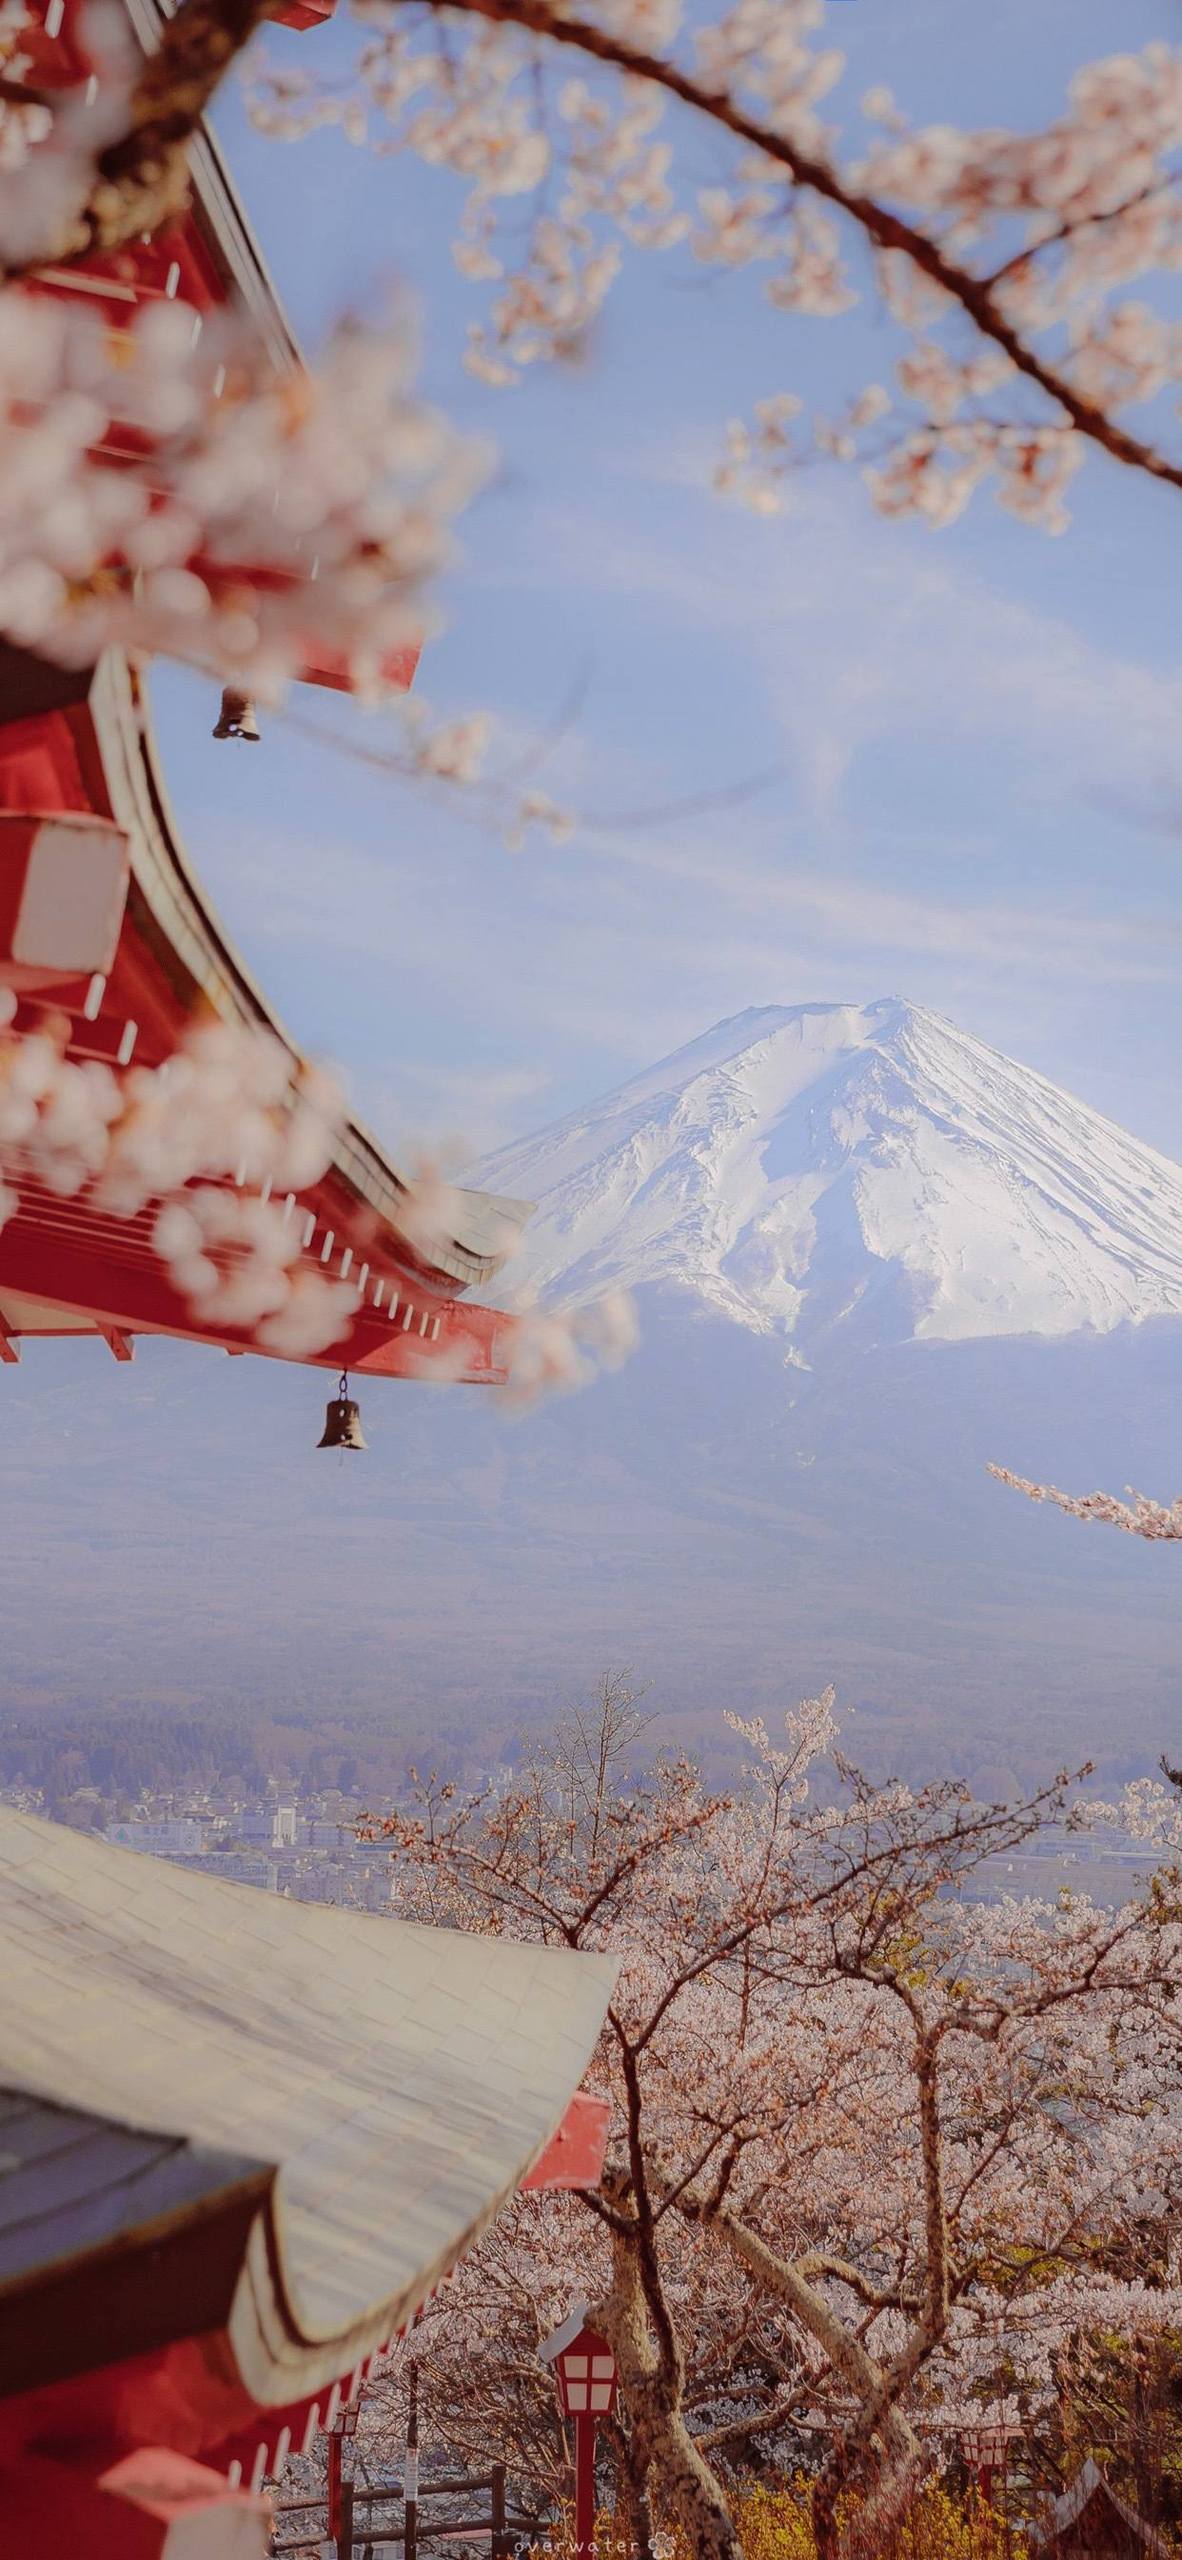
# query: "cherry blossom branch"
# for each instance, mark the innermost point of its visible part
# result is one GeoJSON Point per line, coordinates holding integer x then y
{"type": "Point", "coordinates": [1139, 1516]}
{"type": "Point", "coordinates": [783, 2279]}
{"type": "Point", "coordinates": [886, 231]}
{"type": "Point", "coordinates": [822, 2262]}
{"type": "Point", "coordinates": [113, 166]}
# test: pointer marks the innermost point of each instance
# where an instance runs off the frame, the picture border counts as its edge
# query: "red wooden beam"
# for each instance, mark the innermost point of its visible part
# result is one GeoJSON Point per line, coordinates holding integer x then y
{"type": "Point", "coordinates": [123, 1295]}
{"type": "Point", "coordinates": [573, 2157]}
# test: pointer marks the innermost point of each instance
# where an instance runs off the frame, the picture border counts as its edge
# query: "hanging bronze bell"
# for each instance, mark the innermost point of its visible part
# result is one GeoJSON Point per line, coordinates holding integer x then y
{"type": "Point", "coordinates": [236, 719]}
{"type": "Point", "coordinates": [342, 1421]}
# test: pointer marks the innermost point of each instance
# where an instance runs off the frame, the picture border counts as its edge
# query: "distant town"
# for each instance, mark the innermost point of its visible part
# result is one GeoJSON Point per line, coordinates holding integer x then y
{"type": "Point", "coordinates": [308, 1846]}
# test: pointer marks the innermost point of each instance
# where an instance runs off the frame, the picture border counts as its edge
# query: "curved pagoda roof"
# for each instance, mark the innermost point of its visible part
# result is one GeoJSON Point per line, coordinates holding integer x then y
{"type": "Point", "coordinates": [224, 2114]}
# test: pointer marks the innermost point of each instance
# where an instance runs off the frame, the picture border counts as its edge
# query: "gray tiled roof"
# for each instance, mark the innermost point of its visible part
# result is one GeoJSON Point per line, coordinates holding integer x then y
{"type": "Point", "coordinates": [71, 2182]}
{"type": "Point", "coordinates": [400, 2079]}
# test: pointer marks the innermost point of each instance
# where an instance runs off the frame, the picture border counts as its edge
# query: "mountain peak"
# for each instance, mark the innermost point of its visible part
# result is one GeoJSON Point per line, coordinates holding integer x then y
{"type": "Point", "coordinates": [818, 1028]}
{"type": "Point", "coordinates": [853, 1172]}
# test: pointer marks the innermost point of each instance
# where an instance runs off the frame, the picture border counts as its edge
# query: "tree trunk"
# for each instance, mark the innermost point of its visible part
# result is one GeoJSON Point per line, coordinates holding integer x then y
{"type": "Point", "coordinates": [826, 2491]}
{"type": "Point", "coordinates": [889, 2488]}
{"type": "Point", "coordinates": [662, 2449]}
{"type": "Point", "coordinates": [632, 2492]}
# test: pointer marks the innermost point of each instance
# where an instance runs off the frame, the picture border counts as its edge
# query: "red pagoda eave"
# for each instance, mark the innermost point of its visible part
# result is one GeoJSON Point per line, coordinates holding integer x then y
{"type": "Point", "coordinates": [82, 745]}
{"type": "Point", "coordinates": [79, 745]}
{"type": "Point", "coordinates": [64, 2378]}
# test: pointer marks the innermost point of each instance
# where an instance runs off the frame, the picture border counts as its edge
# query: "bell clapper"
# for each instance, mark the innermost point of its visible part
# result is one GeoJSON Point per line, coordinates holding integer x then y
{"type": "Point", "coordinates": [237, 718]}
{"type": "Point", "coordinates": [342, 1420]}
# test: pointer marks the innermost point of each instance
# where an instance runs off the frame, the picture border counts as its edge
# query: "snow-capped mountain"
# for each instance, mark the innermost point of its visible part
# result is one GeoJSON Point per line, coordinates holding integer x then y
{"type": "Point", "coordinates": [739, 1513]}
{"type": "Point", "coordinates": [870, 1255]}
{"type": "Point", "coordinates": [854, 1174]}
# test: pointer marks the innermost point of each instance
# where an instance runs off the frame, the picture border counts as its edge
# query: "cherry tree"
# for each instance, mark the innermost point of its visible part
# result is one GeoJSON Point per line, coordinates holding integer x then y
{"type": "Point", "coordinates": [874, 2132]}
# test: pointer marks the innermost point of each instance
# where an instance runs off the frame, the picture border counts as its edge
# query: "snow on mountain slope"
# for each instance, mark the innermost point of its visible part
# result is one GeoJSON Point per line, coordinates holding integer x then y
{"type": "Point", "coordinates": [864, 1170]}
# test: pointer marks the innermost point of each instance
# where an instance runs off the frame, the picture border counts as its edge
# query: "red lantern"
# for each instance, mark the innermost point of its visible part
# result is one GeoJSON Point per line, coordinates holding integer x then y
{"type": "Point", "coordinates": [986, 2449]}
{"type": "Point", "coordinates": [585, 2371]}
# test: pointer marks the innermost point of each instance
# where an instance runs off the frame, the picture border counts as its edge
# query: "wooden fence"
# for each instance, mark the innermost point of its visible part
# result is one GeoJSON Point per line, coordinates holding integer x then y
{"type": "Point", "coordinates": [358, 2533]}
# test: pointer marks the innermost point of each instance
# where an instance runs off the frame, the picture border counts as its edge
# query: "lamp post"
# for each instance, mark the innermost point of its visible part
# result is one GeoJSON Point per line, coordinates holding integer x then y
{"type": "Point", "coordinates": [340, 2491]}
{"type": "Point", "coordinates": [986, 2449]}
{"type": "Point", "coordinates": [410, 2477]}
{"type": "Point", "coordinates": [585, 2372]}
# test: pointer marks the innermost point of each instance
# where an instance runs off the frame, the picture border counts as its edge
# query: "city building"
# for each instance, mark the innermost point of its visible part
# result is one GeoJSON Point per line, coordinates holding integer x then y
{"type": "Point", "coordinates": [236, 1866]}
{"type": "Point", "coordinates": [181, 1837]}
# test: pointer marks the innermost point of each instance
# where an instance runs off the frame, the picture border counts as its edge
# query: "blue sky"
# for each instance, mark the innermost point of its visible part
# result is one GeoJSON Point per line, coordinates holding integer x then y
{"type": "Point", "coordinates": [976, 749]}
{"type": "Point", "coordinates": [972, 736]}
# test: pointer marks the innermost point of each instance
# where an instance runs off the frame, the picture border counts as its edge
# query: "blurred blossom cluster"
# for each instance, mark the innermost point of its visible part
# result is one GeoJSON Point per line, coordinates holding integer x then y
{"type": "Point", "coordinates": [270, 517]}
{"type": "Point", "coordinates": [228, 1109]}
{"type": "Point", "coordinates": [555, 1349]}
{"type": "Point", "coordinates": [48, 153]}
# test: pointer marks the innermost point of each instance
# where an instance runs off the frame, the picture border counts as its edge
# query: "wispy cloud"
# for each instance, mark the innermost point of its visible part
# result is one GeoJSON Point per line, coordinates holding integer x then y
{"type": "Point", "coordinates": [458, 1113]}
{"type": "Point", "coordinates": [859, 632]}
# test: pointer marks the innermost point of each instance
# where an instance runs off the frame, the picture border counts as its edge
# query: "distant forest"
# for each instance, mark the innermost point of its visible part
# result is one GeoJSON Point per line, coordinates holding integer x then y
{"type": "Point", "coordinates": [124, 1753]}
